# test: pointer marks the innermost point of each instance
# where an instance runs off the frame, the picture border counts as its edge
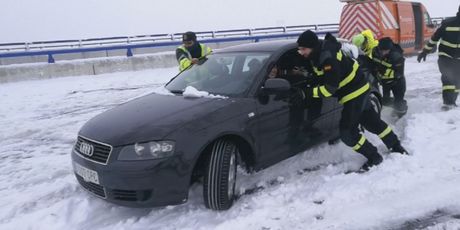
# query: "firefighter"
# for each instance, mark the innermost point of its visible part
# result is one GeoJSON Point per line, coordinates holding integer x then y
{"type": "Point", "coordinates": [366, 42]}
{"type": "Point", "coordinates": [190, 51]}
{"type": "Point", "coordinates": [340, 76]}
{"type": "Point", "coordinates": [389, 67]}
{"type": "Point", "coordinates": [448, 36]}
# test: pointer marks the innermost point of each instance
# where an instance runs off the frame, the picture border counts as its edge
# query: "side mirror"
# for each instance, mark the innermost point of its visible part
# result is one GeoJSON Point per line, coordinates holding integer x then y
{"type": "Point", "coordinates": [275, 86]}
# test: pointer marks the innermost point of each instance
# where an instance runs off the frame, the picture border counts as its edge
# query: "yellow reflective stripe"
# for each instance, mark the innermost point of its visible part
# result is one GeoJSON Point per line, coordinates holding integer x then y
{"type": "Point", "coordinates": [453, 29]}
{"type": "Point", "coordinates": [432, 42]}
{"type": "Point", "coordinates": [339, 55]}
{"type": "Point", "coordinates": [317, 71]}
{"type": "Point", "coordinates": [444, 54]}
{"type": "Point", "coordinates": [385, 132]}
{"type": "Point", "coordinates": [384, 63]}
{"type": "Point", "coordinates": [205, 50]}
{"type": "Point", "coordinates": [350, 76]}
{"type": "Point", "coordinates": [360, 143]}
{"type": "Point", "coordinates": [448, 87]}
{"type": "Point", "coordinates": [427, 47]}
{"type": "Point", "coordinates": [451, 45]}
{"type": "Point", "coordinates": [457, 90]}
{"type": "Point", "coordinates": [389, 74]}
{"type": "Point", "coordinates": [355, 94]}
{"type": "Point", "coordinates": [324, 91]}
{"type": "Point", "coordinates": [184, 63]}
{"type": "Point", "coordinates": [315, 92]}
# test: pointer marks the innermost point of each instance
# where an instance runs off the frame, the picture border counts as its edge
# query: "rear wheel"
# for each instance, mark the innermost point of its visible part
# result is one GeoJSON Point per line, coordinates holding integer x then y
{"type": "Point", "coordinates": [375, 103]}
{"type": "Point", "coordinates": [220, 176]}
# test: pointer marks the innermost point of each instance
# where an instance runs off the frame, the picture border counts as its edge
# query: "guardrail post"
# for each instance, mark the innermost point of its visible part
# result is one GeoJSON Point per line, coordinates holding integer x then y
{"type": "Point", "coordinates": [129, 53]}
{"type": "Point", "coordinates": [50, 58]}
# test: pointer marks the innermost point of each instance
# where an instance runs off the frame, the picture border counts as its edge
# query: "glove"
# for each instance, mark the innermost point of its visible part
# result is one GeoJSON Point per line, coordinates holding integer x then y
{"type": "Point", "coordinates": [421, 56]}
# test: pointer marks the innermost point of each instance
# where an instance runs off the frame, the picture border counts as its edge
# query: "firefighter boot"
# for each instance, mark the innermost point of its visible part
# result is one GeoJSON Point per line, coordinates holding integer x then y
{"type": "Point", "coordinates": [397, 148]}
{"type": "Point", "coordinates": [370, 152]}
{"type": "Point", "coordinates": [400, 108]}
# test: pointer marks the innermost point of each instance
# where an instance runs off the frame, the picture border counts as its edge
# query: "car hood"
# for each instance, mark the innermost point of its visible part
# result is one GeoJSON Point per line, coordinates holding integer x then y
{"type": "Point", "coordinates": [147, 118]}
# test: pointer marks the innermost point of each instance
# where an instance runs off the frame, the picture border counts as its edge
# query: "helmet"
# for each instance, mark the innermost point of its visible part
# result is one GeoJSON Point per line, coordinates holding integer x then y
{"type": "Point", "coordinates": [358, 40]}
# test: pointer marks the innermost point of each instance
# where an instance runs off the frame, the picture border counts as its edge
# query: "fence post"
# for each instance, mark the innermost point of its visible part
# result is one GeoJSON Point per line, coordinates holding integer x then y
{"type": "Point", "coordinates": [50, 58]}
{"type": "Point", "coordinates": [129, 53]}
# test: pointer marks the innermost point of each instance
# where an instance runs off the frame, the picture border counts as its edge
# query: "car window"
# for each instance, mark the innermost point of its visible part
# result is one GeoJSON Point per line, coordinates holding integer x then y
{"type": "Point", "coordinates": [229, 74]}
{"type": "Point", "coordinates": [253, 62]}
{"type": "Point", "coordinates": [427, 19]}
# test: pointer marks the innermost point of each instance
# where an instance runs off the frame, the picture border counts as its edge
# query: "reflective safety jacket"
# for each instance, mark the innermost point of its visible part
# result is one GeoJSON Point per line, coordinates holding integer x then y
{"type": "Point", "coordinates": [390, 67]}
{"type": "Point", "coordinates": [371, 42]}
{"type": "Point", "coordinates": [337, 74]}
{"type": "Point", "coordinates": [184, 57]}
{"type": "Point", "coordinates": [448, 36]}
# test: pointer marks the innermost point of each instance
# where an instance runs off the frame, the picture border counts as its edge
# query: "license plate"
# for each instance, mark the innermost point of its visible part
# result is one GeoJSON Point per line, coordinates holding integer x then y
{"type": "Point", "coordinates": [87, 174]}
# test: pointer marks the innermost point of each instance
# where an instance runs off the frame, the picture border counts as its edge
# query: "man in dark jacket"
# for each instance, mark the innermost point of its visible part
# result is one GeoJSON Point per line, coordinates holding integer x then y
{"type": "Point", "coordinates": [389, 66]}
{"type": "Point", "coordinates": [190, 51]}
{"type": "Point", "coordinates": [340, 76]}
{"type": "Point", "coordinates": [448, 36]}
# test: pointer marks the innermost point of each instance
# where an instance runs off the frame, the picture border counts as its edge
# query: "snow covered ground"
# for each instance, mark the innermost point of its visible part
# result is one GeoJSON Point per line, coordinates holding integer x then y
{"type": "Point", "coordinates": [39, 122]}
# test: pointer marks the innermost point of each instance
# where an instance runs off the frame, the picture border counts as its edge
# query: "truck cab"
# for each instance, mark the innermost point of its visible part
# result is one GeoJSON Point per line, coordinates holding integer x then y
{"type": "Point", "coordinates": [407, 23]}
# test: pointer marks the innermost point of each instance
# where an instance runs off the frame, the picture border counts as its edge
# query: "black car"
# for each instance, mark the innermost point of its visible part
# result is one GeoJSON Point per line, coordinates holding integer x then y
{"type": "Point", "coordinates": [148, 151]}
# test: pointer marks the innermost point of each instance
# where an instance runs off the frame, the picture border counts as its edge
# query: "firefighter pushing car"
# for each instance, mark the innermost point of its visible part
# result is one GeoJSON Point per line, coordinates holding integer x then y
{"type": "Point", "coordinates": [340, 76]}
{"type": "Point", "coordinates": [388, 65]}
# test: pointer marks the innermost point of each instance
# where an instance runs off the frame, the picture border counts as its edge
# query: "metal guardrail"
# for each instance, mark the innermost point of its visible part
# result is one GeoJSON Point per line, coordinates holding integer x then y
{"type": "Point", "coordinates": [128, 43]}
{"type": "Point", "coordinates": [50, 48]}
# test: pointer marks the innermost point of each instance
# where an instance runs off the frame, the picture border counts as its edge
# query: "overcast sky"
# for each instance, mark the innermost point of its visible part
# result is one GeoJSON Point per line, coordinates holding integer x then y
{"type": "Point", "coordinates": [32, 20]}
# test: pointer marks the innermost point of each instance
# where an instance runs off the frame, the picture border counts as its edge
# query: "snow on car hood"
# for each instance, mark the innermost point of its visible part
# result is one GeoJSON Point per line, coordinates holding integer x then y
{"type": "Point", "coordinates": [150, 117]}
{"type": "Point", "coordinates": [191, 92]}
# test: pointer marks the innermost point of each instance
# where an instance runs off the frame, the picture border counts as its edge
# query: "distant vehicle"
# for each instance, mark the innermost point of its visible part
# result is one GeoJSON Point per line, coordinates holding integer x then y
{"type": "Point", "coordinates": [148, 151]}
{"type": "Point", "coordinates": [407, 23]}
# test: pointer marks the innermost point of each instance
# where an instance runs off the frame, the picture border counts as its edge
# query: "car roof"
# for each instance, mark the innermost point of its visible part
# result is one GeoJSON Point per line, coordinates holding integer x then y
{"type": "Point", "coordinates": [265, 46]}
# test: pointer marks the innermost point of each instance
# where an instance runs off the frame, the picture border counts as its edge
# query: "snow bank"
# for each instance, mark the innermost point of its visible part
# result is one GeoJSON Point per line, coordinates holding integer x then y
{"type": "Point", "coordinates": [308, 191]}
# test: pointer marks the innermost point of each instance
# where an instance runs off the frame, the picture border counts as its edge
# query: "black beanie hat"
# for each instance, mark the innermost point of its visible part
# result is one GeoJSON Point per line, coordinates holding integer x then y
{"type": "Point", "coordinates": [385, 43]}
{"type": "Point", "coordinates": [308, 39]}
{"type": "Point", "coordinates": [189, 36]}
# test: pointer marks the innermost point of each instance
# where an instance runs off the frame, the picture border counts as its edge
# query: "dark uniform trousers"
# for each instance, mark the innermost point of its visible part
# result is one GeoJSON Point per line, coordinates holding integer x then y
{"type": "Point", "coordinates": [450, 77]}
{"type": "Point", "coordinates": [360, 112]}
{"type": "Point", "coordinates": [398, 88]}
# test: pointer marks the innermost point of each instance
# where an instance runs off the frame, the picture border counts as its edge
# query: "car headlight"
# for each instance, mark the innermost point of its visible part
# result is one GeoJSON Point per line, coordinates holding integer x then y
{"type": "Point", "coordinates": [147, 151]}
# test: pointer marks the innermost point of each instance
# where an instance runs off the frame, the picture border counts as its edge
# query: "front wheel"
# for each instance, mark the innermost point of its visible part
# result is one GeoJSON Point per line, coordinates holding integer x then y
{"type": "Point", "coordinates": [220, 176]}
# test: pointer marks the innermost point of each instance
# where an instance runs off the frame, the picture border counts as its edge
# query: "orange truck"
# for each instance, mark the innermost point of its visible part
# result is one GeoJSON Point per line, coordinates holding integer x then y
{"type": "Point", "coordinates": [407, 23]}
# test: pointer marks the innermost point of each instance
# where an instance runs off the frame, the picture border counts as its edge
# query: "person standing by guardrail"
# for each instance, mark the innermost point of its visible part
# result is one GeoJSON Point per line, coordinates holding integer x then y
{"type": "Point", "coordinates": [190, 51]}
{"type": "Point", "coordinates": [448, 36]}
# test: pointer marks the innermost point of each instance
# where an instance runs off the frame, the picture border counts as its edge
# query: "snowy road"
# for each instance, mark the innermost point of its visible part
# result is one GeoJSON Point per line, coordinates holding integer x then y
{"type": "Point", "coordinates": [40, 120]}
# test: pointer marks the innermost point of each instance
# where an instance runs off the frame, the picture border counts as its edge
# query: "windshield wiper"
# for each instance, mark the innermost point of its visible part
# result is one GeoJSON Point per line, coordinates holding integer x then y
{"type": "Point", "coordinates": [177, 91]}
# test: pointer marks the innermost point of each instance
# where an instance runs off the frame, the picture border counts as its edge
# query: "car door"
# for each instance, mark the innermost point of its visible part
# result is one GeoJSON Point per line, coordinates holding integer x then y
{"type": "Point", "coordinates": [273, 125]}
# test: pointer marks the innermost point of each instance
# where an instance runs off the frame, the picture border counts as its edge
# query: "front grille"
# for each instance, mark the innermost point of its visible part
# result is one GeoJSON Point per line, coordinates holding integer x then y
{"type": "Point", "coordinates": [124, 195]}
{"type": "Point", "coordinates": [129, 195]}
{"type": "Point", "coordinates": [101, 151]}
{"type": "Point", "coordinates": [94, 188]}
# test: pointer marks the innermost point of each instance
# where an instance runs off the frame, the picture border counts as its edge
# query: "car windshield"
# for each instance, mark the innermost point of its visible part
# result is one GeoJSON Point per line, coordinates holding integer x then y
{"type": "Point", "coordinates": [228, 74]}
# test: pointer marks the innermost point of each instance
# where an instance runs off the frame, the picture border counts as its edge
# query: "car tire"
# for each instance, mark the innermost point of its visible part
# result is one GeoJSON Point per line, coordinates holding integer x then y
{"type": "Point", "coordinates": [220, 176]}
{"type": "Point", "coordinates": [375, 103]}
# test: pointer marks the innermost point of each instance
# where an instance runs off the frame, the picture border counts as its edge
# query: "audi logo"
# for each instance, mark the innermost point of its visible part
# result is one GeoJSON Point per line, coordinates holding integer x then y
{"type": "Point", "coordinates": [86, 149]}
